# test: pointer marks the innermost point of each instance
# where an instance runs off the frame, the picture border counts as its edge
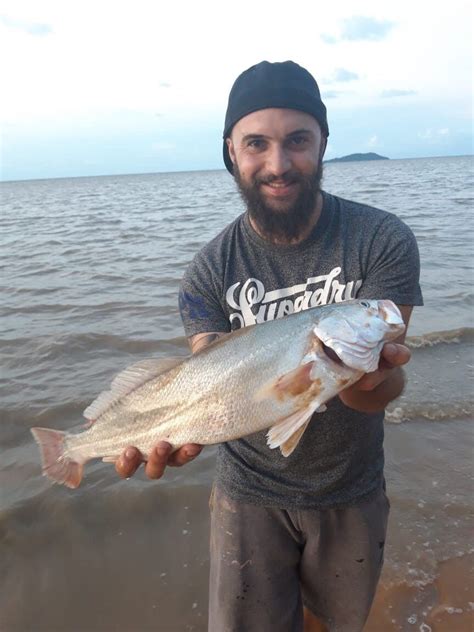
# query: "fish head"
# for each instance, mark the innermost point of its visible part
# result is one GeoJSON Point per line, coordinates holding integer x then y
{"type": "Point", "coordinates": [357, 330]}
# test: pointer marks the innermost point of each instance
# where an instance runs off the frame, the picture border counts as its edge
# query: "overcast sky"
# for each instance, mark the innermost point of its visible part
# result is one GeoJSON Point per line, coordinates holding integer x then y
{"type": "Point", "coordinates": [101, 87]}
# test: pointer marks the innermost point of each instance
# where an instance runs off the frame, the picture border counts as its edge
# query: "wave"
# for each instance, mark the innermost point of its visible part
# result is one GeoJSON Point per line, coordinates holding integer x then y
{"type": "Point", "coordinates": [450, 336]}
{"type": "Point", "coordinates": [45, 308]}
{"type": "Point", "coordinates": [428, 411]}
{"type": "Point", "coordinates": [50, 347]}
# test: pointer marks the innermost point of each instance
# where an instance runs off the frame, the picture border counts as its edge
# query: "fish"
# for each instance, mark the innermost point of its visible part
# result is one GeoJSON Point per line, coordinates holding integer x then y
{"type": "Point", "coordinates": [272, 376]}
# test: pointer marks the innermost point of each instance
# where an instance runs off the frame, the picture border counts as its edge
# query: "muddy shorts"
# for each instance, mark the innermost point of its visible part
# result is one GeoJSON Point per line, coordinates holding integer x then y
{"type": "Point", "coordinates": [266, 563]}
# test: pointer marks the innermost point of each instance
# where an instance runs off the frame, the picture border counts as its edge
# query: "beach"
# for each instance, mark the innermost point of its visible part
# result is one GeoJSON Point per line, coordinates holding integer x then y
{"type": "Point", "coordinates": [90, 269]}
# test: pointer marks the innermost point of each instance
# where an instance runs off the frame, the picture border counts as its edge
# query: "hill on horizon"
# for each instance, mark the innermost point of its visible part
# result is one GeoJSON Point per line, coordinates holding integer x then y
{"type": "Point", "coordinates": [353, 157]}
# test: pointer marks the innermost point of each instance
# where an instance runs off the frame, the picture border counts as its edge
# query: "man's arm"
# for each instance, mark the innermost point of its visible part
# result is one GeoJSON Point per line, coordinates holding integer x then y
{"type": "Point", "coordinates": [374, 391]}
{"type": "Point", "coordinates": [161, 455]}
{"type": "Point", "coordinates": [199, 341]}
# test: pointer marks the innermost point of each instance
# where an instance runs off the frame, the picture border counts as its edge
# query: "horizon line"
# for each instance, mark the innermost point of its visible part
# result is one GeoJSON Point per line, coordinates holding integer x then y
{"type": "Point", "coordinates": [151, 173]}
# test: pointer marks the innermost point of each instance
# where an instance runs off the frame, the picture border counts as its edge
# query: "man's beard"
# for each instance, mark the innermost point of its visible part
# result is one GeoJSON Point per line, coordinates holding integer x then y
{"type": "Point", "coordinates": [285, 223]}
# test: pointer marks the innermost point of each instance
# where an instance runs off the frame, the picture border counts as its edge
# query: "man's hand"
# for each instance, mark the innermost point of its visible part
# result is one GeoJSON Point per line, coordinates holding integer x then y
{"type": "Point", "coordinates": [392, 356]}
{"type": "Point", "coordinates": [158, 459]}
{"type": "Point", "coordinates": [375, 390]}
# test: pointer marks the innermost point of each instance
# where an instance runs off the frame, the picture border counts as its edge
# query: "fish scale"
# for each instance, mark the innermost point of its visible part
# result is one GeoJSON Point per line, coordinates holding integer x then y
{"type": "Point", "coordinates": [270, 376]}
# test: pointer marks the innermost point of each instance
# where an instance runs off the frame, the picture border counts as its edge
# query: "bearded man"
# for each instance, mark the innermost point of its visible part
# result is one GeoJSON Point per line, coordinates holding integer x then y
{"type": "Point", "coordinates": [296, 543]}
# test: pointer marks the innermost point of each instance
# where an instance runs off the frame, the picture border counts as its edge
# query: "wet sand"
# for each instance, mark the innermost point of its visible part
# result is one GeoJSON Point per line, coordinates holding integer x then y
{"type": "Point", "coordinates": [446, 605]}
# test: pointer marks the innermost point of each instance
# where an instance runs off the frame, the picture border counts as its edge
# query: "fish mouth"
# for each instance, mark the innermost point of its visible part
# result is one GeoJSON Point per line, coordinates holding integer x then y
{"type": "Point", "coordinates": [331, 354]}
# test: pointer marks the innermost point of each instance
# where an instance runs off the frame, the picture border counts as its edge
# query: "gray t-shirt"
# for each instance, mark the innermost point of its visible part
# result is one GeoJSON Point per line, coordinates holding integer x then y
{"type": "Point", "coordinates": [239, 279]}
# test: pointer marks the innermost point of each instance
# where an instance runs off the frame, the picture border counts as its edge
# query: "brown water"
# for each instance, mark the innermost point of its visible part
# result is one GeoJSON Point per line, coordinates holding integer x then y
{"type": "Point", "coordinates": [134, 556]}
{"type": "Point", "coordinates": [89, 272]}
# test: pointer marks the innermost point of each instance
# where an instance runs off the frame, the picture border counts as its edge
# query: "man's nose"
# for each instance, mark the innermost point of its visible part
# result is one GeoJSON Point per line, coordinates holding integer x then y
{"type": "Point", "coordinates": [278, 161]}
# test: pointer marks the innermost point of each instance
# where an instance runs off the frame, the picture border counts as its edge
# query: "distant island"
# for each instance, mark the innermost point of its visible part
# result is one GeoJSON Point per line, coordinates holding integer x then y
{"type": "Point", "coordinates": [354, 157]}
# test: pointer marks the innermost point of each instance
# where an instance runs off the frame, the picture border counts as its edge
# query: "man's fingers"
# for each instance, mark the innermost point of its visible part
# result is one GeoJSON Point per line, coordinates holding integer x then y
{"type": "Point", "coordinates": [158, 460]}
{"type": "Point", "coordinates": [129, 461]}
{"type": "Point", "coordinates": [161, 456]}
{"type": "Point", "coordinates": [185, 454]}
{"type": "Point", "coordinates": [394, 355]}
{"type": "Point", "coordinates": [371, 380]}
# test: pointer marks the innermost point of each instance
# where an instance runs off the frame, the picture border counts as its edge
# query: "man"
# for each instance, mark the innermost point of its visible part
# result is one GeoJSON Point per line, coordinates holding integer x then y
{"type": "Point", "coordinates": [307, 530]}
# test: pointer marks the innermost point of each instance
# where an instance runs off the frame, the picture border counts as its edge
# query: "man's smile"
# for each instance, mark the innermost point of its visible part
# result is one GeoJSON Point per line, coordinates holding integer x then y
{"type": "Point", "coordinates": [279, 189]}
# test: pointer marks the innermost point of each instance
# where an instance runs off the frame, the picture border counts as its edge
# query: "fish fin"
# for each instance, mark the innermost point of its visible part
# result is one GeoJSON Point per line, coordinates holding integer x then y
{"type": "Point", "coordinates": [290, 384]}
{"type": "Point", "coordinates": [290, 444]}
{"type": "Point", "coordinates": [127, 381]}
{"type": "Point", "coordinates": [287, 430]}
{"type": "Point", "coordinates": [56, 466]}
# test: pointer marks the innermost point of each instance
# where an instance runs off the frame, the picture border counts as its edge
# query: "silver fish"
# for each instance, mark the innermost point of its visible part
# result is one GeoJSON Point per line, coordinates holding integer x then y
{"type": "Point", "coordinates": [274, 375]}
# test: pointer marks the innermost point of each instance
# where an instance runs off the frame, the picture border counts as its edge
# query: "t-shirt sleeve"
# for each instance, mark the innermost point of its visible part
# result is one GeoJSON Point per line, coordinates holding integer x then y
{"type": "Point", "coordinates": [393, 270]}
{"type": "Point", "coordinates": [199, 300]}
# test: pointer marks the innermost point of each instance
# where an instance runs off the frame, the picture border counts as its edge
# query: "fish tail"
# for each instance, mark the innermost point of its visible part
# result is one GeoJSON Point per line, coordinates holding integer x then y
{"type": "Point", "coordinates": [56, 465]}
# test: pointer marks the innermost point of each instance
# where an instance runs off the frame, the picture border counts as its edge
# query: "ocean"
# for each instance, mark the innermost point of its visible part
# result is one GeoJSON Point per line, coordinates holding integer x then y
{"type": "Point", "coordinates": [89, 274]}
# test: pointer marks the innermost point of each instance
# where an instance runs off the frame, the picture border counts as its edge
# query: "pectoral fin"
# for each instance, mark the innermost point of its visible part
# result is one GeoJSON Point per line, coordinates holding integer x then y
{"type": "Point", "coordinates": [287, 433]}
{"type": "Point", "coordinates": [290, 384]}
{"type": "Point", "coordinates": [290, 444]}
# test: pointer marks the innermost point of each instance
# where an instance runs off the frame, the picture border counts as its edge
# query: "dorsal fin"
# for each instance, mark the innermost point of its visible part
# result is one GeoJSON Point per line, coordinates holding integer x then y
{"type": "Point", "coordinates": [127, 381]}
{"type": "Point", "coordinates": [137, 374]}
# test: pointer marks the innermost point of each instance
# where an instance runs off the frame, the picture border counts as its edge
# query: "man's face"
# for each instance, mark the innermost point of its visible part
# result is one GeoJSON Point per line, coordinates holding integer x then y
{"type": "Point", "coordinates": [277, 157]}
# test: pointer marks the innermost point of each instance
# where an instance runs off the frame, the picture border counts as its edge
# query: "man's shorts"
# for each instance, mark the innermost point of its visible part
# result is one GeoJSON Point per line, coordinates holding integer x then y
{"type": "Point", "coordinates": [267, 562]}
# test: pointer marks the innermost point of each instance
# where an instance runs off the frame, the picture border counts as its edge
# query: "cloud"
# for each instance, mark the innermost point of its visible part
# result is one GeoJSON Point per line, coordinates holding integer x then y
{"type": "Point", "coordinates": [341, 74]}
{"type": "Point", "coordinates": [165, 84]}
{"type": "Point", "coordinates": [161, 146]}
{"type": "Point", "coordinates": [397, 93]}
{"type": "Point", "coordinates": [331, 94]}
{"type": "Point", "coordinates": [28, 27]}
{"type": "Point", "coordinates": [428, 133]}
{"type": "Point", "coordinates": [433, 134]}
{"type": "Point", "coordinates": [373, 141]}
{"type": "Point", "coordinates": [328, 39]}
{"type": "Point", "coordinates": [360, 28]}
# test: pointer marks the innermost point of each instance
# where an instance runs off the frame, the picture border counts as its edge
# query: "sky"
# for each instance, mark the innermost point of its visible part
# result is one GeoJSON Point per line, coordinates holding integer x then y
{"type": "Point", "coordinates": [100, 87]}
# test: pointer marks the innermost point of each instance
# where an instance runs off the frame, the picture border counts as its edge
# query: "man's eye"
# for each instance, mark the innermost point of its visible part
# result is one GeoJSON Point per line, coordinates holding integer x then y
{"type": "Point", "coordinates": [299, 140]}
{"type": "Point", "coordinates": [256, 144]}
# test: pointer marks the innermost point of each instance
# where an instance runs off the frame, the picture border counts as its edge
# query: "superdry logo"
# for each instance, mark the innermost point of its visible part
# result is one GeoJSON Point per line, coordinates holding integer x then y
{"type": "Point", "coordinates": [255, 305]}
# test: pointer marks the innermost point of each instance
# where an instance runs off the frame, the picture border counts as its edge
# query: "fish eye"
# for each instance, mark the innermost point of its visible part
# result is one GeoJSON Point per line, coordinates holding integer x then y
{"type": "Point", "coordinates": [365, 304]}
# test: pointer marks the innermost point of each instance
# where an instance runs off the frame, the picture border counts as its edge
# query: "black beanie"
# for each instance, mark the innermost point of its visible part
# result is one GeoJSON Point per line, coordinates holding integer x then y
{"type": "Point", "coordinates": [273, 85]}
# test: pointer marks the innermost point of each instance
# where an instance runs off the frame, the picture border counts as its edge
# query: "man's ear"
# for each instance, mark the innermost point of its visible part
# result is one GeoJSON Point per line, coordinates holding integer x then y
{"type": "Point", "coordinates": [324, 144]}
{"type": "Point", "coordinates": [231, 149]}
